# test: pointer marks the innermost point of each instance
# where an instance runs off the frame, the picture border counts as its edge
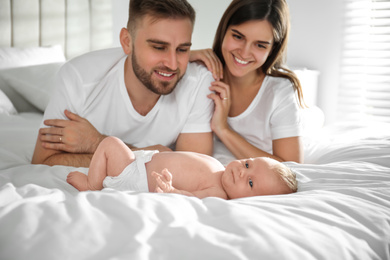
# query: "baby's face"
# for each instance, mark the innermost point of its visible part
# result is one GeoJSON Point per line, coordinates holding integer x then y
{"type": "Point", "coordinates": [252, 177]}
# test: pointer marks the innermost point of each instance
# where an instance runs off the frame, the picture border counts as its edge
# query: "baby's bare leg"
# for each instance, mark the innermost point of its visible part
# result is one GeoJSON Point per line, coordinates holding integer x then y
{"type": "Point", "coordinates": [78, 180]}
{"type": "Point", "coordinates": [111, 157]}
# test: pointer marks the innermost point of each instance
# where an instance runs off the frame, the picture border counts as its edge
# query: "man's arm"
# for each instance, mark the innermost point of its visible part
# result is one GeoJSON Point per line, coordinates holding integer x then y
{"type": "Point", "coordinates": [195, 142]}
{"type": "Point", "coordinates": [54, 157]}
{"type": "Point", "coordinates": [63, 144]}
{"type": "Point", "coordinates": [51, 156]}
{"type": "Point", "coordinates": [79, 140]}
{"type": "Point", "coordinates": [197, 134]}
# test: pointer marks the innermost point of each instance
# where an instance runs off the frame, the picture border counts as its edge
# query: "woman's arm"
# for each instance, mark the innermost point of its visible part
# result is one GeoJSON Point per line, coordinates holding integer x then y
{"type": "Point", "coordinates": [285, 149]}
{"type": "Point", "coordinates": [289, 149]}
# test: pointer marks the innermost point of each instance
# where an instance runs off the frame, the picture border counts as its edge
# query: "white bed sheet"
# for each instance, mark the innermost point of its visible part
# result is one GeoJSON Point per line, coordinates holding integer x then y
{"type": "Point", "coordinates": [341, 211]}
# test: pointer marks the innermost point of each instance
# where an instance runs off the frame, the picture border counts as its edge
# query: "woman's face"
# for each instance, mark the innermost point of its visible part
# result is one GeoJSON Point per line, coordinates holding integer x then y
{"type": "Point", "coordinates": [247, 46]}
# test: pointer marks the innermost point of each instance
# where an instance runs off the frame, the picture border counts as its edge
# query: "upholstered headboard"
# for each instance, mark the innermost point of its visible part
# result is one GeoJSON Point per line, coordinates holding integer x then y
{"type": "Point", "coordinates": [78, 26]}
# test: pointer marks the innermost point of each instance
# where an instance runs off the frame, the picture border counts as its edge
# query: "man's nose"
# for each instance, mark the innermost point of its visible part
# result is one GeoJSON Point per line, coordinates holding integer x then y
{"type": "Point", "coordinates": [170, 60]}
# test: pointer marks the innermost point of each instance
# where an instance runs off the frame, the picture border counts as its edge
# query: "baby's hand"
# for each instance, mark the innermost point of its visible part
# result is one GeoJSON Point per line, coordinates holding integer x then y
{"type": "Point", "coordinates": [164, 182]}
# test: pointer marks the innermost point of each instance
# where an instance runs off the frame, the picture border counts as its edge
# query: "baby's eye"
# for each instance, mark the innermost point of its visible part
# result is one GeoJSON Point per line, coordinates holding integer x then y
{"type": "Point", "coordinates": [251, 183]}
{"type": "Point", "coordinates": [247, 165]}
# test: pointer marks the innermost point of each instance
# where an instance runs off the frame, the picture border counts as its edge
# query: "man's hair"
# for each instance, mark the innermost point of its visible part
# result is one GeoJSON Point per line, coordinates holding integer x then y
{"type": "Point", "coordinates": [288, 176]}
{"type": "Point", "coordinates": [159, 9]}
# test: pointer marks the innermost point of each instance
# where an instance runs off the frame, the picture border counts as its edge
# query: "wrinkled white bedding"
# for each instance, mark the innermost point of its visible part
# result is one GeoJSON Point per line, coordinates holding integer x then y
{"type": "Point", "coordinates": [342, 209]}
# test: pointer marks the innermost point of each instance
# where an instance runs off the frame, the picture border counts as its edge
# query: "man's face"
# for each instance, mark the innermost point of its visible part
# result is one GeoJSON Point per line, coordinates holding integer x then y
{"type": "Point", "coordinates": [160, 52]}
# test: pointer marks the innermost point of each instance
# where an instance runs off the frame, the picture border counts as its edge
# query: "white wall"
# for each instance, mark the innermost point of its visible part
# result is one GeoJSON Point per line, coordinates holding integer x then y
{"type": "Point", "coordinates": [208, 15]}
{"type": "Point", "coordinates": [315, 40]}
{"type": "Point", "coordinates": [120, 13]}
{"type": "Point", "coordinates": [315, 43]}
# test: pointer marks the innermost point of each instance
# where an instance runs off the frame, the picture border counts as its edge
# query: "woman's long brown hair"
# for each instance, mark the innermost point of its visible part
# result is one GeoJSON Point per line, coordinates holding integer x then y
{"type": "Point", "coordinates": [277, 13]}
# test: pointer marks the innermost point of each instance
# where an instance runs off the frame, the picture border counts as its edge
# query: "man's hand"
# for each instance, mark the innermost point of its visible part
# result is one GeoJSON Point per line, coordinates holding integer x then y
{"type": "Point", "coordinates": [76, 135]}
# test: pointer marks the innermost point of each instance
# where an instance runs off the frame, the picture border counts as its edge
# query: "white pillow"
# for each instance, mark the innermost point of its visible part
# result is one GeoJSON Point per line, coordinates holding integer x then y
{"type": "Point", "coordinates": [6, 106]}
{"type": "Point", "coordinates": [11, 57]}
{"type": "Point", "coordinates": [34, 83]}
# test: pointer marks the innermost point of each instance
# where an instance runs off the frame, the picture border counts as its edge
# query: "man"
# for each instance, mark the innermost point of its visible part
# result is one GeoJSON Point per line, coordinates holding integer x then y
{"type": "Point", "coordinates": [131, 92]}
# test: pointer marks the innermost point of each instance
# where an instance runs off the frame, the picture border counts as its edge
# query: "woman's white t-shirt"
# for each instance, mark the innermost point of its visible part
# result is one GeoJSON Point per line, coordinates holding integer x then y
{"type": "Point", "coordinates": [273, 114]}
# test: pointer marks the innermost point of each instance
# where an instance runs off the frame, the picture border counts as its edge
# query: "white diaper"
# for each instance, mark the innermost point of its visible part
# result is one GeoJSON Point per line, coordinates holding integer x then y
{"type": "Point", "coordinates": [134, 176]}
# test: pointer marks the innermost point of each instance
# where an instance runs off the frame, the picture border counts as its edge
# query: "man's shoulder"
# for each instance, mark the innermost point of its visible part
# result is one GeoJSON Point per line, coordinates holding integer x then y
{"type": "Point", "coordinates": [196, 77]}
{"type": "Point", "coordinates": [93, 66]}
{"type": "Point", "coordinates": [197, 70]}
{"type": "Point", "coordinates": [101, 56]}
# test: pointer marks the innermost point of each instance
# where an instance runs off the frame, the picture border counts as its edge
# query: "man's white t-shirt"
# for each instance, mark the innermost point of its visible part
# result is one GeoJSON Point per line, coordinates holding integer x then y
{"type": "Point", "coordinates": [273, 114]}
{"type": "Point", "coordinates": [93, 87]}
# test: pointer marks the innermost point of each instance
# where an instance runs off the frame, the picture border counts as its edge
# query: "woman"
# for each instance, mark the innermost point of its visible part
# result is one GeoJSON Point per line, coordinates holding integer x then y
{"type": "Point", "coordinates": [257, 103]}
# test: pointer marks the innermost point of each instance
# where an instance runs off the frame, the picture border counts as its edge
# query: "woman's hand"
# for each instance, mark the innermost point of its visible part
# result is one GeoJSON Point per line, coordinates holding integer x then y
{"type": "Point", "coordinates": [76, 135]}
{"type": "Point", "coordinates": [208, 58]}
{"type": "Point", "coordinates": [222, 102]}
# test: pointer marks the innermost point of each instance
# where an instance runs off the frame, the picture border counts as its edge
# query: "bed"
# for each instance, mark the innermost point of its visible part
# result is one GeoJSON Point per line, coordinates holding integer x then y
{"type": "Point", "coordinates": [341, 209]}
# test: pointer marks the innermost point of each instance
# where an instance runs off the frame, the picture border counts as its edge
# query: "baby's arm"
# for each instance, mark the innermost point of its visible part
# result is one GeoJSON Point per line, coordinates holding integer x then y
{"type": "Point", "coordinates": [164, 185]}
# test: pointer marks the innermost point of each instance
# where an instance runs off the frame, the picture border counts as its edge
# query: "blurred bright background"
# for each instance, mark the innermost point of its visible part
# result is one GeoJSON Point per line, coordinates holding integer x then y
{"type": "Point", "coordinates": [341, 49]}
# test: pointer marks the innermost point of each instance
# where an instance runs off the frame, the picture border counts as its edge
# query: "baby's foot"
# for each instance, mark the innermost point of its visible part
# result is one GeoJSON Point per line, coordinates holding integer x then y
{"type": "Point", "coordinates": [78, 180]}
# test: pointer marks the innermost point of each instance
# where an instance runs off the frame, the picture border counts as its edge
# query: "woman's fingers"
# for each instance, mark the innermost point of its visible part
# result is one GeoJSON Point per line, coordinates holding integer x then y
{"type": "Point", "coordinates": [221, 89]}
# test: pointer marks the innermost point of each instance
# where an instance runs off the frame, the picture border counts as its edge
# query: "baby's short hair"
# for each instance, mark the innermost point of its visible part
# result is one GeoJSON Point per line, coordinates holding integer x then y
{"type": "Point", "coordinates": [288, 176]}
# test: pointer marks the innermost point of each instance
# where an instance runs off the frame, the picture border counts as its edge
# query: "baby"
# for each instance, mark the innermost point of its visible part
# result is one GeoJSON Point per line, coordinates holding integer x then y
{"type": "Point", "coordinates": [114, 165]}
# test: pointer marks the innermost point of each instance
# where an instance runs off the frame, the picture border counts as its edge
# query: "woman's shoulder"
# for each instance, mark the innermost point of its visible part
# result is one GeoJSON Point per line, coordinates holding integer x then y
{"type": "Point", "coordinates": [278, 85]}
{"type": "Point", "coordinates": [278, 81]}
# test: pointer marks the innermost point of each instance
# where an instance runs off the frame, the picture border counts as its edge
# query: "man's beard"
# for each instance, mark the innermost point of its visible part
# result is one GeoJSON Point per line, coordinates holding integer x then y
{"type": "Point", "coordinates": [160, 88]}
